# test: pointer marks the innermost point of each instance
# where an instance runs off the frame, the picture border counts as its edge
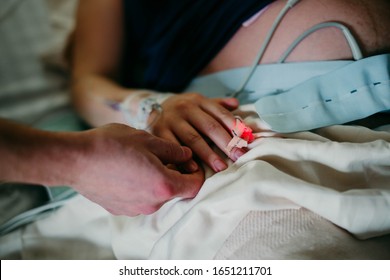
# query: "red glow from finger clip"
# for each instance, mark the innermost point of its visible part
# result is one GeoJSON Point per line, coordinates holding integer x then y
{"type": "Point", "coordinates": [248, 135]}
{"type": "Point", "coordinates": [243, 131]}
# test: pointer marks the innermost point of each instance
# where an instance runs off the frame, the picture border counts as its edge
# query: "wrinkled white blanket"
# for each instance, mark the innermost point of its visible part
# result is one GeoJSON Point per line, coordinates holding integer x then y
{"type": "Point", "coordinates": [341, 173]}
{"type": "Point", "coordinates": [346, 182]}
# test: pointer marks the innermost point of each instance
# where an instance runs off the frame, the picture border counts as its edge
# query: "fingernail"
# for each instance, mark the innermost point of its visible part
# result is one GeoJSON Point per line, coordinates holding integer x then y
{"type": "Point", "coordinates": [219, 165]}
{"type": "Point", "coordinates": [193, 166]}
{"type": "Point", "coordinates": [237, 154]}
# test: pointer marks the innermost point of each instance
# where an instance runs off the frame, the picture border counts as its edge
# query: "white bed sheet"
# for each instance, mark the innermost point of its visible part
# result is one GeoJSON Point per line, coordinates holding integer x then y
{"type": "Point", "coordinates": [331, 186]}
{"type": "Point", "coordinates": [309, 195]}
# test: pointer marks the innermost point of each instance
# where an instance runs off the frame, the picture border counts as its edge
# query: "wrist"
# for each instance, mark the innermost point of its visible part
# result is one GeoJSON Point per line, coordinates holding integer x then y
{"type": "Point", "coordinates": [62, 155]}
{"type": "Point", "coordinates": [138, 107]}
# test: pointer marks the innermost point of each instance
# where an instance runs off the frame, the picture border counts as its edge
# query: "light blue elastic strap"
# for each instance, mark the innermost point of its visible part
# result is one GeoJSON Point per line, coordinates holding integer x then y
{"type": "Point", "coordinates": [352, 92]}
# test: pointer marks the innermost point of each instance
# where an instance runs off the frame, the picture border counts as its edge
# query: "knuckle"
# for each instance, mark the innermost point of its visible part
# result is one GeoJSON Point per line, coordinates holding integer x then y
{"type": "Point", "coordinates": [187, 102]}
{"type": "Point", "coordinates": [195, 96]}
{"type": "Point", "coordinates": [212, 126]}
{"type": "Point", "coordinates": [225, 113]}
{"type": "Point", "coordinates": [150, 209]}
{"type": "Point", "coordinates": [164, 191]}
{"type": "Point", "coordinates": [193, 192]}
{"type": "Point", "coordinates": [192, 138]}
{"type": "Point", "coordinates": [194, 189]}
{"type": "Point", "coordinates": [193, 99]}
{"type": "Point", "coordinates": [183, 106]}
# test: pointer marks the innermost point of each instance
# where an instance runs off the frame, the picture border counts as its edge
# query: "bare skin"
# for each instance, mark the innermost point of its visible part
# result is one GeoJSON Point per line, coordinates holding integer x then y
{"type": "Point", "coordinates": [123, 169]}
{"type": "Point", "coordinates": [368, 21]}
{"type": "Point", "coordinates": [96, 57]}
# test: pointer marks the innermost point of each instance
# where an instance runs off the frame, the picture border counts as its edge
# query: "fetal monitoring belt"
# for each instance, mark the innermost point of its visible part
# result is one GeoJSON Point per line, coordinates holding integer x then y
{"type": "Point", "coordinates": [352, 92]}
{"type": "Point", "coordinates": [301, 96]}
{"type": "Point", "coordinates": [298, 96]}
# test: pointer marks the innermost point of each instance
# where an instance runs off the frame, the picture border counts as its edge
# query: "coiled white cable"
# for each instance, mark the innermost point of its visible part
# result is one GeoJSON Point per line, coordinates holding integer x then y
{"type": "Point", "coordinates": [282, 13]}
{"type": "Point", "coordinates": [355, 49]}
{"type": "Point", "coordinates": [356, 52]}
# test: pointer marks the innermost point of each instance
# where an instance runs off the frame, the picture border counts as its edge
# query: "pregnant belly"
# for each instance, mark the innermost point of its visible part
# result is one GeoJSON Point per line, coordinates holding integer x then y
{"type": "Point", "coordinates": [368, 21]}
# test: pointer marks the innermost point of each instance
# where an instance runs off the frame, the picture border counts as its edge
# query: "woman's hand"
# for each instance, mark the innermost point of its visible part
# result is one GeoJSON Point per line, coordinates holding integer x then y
{"type": "Point", "coordinates": [194, 120]}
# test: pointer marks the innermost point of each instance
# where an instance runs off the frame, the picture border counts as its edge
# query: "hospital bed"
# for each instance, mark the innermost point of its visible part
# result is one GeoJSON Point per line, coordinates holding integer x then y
{"type": "Point", "coordinates": [318, 194]}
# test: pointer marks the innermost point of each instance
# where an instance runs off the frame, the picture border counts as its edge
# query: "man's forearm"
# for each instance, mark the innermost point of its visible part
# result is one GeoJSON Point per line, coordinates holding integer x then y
{"type": "Point", "coordinates": [34, 156]}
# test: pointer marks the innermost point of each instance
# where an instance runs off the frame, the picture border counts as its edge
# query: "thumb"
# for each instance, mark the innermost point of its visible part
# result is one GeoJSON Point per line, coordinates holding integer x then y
{"type": "Point", "coordinates": [187, 185]}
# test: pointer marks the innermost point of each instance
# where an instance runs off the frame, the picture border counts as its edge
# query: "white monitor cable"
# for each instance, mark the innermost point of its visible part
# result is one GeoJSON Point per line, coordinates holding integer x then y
{"type": "Point", "coordinates": [355, 49]}
{"type": "Point", "coordinates": [282, 13]}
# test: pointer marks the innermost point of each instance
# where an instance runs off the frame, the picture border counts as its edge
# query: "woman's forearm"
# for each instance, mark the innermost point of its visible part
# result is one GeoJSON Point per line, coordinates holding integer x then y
{"type": "Point", "coordinates": [95, 57]}
{"type": "Point", "coordinates": [91, 95]}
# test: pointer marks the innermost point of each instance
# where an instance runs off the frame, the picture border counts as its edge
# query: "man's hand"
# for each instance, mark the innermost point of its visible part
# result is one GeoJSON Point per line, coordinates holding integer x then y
{"type": "Point", "coordinates": [127, 171]}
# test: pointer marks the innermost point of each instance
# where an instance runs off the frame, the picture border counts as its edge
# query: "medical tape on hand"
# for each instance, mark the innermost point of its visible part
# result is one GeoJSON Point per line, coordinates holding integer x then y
{"type": "Point", "coordinates": [139, 105]}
